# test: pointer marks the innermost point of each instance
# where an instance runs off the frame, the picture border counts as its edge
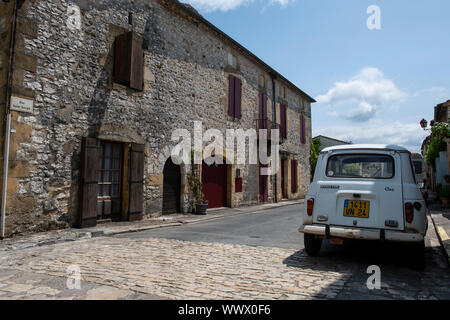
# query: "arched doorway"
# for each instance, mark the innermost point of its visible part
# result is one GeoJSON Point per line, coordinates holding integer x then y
{"type": "Point", "coordinates": [214, 184]}
{"type": "Point", "coordinates": [171, 188]}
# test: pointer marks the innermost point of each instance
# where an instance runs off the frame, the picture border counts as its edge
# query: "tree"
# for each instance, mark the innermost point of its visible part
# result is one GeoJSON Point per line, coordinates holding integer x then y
{"type": "Point", "coordinates": [439, 132]}
{"type": "Point", "coordinates": [314, 154]}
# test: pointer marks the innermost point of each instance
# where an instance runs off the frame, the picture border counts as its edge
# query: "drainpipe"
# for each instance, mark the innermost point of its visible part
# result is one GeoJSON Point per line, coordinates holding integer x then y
{"type": "Point", "coordinates": [274, 116]}
{"type": "Point", "coordinates": [5, 174]}
{"type": "Point", "coordinates": [8, 123]}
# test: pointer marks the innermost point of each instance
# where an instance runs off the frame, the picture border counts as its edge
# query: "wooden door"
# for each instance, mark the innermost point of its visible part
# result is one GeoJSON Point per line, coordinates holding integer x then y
{"type": "Point", "coordinates": [109, 200]}
{"type": "Point", "coordinates": [283, 179]}
{"type": "Point", "coordinates": [263, 187]}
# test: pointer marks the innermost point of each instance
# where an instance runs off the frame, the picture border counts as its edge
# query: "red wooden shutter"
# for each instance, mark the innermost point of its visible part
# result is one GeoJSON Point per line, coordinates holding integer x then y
{"type": "Point", "coordinates": [136, 200]}
{"type": "Point", "coordinates": [294, 176]}
{"type": "Point", "coordinates": [302, 129]}
{"type": "Point", "coordinates": [283, 121]}
{"type": "Point", "coordinates": [89, 183]}
{"type": "Point", "coordinates": [238, 98]}
{"type": "Point", "coordinates": [231, 88]}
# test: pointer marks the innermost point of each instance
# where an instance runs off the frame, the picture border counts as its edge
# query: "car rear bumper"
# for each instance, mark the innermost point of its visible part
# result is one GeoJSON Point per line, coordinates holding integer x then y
{"type": "Point", "coordinates": [363, 234]}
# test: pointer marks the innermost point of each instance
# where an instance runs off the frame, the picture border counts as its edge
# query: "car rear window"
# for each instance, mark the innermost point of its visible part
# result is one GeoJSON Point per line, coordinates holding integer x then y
{"type": "Point", "coordinates": [364, 166]}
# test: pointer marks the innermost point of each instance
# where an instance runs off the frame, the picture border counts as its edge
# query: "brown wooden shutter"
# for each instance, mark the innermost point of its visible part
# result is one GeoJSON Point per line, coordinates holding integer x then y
{"type": "Point", "coordinates": [294, 176]}
{"type": "Point", "coordinates": [238, 98]}
{"type": "Point", "coordinates": [129, 61]}
{"type": "Point", "coordinates": [231, 100]}
{"type": "Point", "coordinates": [302, 129]}
{"type": "Point", "coordinates": [137, 66]}
{"type": "Point", "coordinates": [89, 183]}
{"type": "Point", "coordinates": [136, 183]}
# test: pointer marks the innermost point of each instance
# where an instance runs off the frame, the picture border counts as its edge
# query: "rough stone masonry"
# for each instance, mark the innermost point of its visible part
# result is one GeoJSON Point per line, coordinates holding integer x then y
{"type": "Point", "coordinates": [63, 61]}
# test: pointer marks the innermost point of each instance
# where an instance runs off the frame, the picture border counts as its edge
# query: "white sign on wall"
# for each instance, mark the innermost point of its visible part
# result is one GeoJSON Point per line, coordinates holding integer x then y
{"type": "Point", "coordinates": [22, 105]}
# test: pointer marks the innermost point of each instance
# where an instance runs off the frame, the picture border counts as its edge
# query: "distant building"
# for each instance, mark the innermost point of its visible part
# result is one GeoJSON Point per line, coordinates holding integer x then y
{"type": "Point", "coordinates": [441, 114]}
{"type": "Point", "coordinates": [326, 142]}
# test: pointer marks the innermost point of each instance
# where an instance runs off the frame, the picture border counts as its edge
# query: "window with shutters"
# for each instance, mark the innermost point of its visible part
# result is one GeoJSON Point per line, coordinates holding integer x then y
{"type": "Point", "coordinates": [234, 97]}
{"type": "Point", "coordinates": [129, 61]}
{"type": "Point", "coordinates": [103, 181]}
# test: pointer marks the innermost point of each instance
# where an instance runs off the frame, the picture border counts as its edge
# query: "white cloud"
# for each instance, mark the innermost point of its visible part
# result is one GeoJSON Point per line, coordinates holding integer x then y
{"type": "Point", "coordinates": [369, 90]}
{"type": "Point", "coordinates": [226, 5]}
{"type": "Point", "coordinates": [408, 135]}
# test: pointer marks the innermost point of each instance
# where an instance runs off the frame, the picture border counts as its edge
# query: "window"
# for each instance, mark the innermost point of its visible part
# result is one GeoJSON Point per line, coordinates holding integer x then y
{"type": "Point", "coordinates": [360, 166]}
{"type": "Point", "coordinates": [418, 167]}
{"type": "Point", "coordinates": [234, 97]}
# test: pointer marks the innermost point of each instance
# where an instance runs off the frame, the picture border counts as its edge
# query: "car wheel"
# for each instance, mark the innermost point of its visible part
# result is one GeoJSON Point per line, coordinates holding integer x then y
{"type": "Point", "coordinates": [417, 254]}
{"type": "Point", "coordinates": [312, 245]}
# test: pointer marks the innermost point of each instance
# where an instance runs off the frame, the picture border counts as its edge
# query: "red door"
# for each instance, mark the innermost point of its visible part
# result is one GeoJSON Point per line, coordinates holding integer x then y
{"type": "Point", "coordinates": [214, 184]}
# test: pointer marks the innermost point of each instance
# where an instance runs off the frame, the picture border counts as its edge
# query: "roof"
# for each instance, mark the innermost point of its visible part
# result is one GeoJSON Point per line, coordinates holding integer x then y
{"type": "Point", "coordinates": [325, 137]}
{"type": "Point", "coordinates": [389, 147]}
{"type": "Point", "coordinates": [200, 18]}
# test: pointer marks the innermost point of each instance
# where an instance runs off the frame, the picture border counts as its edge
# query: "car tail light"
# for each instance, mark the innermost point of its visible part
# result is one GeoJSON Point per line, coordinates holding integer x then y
{"type": "Point", "coordinates": [310, 207]}
{"type": "Point", "coordinates": [409, 212]}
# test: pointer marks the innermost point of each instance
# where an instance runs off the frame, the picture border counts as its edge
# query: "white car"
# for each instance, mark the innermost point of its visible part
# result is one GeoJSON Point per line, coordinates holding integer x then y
{"type": "Point", "coordinates": [365, 192]}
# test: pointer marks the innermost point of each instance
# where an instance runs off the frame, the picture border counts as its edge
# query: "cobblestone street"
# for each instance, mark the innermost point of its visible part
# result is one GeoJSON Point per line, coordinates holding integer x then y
{"type": "Point", "coordinates": [152, 266]}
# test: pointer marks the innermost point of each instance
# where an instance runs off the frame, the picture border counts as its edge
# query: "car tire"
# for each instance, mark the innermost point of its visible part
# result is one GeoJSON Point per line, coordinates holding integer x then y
{"type": "Point", "coordinates": [312, 245]}
{"type": "Point", "coordinates": [417, 254]}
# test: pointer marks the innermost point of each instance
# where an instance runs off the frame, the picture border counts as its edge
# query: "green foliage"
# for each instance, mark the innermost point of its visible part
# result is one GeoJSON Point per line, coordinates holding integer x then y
{"type": "Point", "coordinates": [314, 154]}
{"type": "Point", "coordinates": [195, 185]}
{"type": "Point", "coordinates": [439, 132]}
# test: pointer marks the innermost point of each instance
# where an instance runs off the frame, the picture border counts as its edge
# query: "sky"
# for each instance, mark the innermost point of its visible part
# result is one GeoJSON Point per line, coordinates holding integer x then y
{"type": "Point", "coordinates": [371, 85]}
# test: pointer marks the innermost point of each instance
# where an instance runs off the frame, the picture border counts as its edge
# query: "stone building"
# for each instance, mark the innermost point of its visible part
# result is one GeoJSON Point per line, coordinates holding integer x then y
{"type": "Point", "coordinates": [326, 142]}
{"type": "Point", "coordinates": [94, 90]}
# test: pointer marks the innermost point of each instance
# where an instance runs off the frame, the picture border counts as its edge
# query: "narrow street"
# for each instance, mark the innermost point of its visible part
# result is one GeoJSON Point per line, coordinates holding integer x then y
{"type": "Point", "coordinates": [251, 256]}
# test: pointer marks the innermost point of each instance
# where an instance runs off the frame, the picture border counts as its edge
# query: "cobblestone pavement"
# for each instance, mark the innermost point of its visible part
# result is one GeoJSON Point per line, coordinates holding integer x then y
{"type": "Point", "coordinates": [113, 268]}
{"type": "Point", "coordinates": [160, 268]}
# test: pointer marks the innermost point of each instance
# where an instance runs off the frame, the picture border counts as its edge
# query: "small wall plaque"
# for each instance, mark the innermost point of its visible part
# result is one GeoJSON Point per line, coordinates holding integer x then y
{"type": "Point", "coordinates": [22, 105]}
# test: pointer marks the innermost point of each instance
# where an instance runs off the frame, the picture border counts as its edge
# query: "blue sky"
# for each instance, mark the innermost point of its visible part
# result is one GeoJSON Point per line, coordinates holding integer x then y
{"type": "Point", "coordinates": [373, 86]}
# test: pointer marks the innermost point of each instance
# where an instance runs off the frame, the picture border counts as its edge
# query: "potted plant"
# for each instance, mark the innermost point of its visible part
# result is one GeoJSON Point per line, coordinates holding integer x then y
{"type": "Point", "coordinates": [444, 194]}
{"type": "Point", "coordinates": [195, 186]}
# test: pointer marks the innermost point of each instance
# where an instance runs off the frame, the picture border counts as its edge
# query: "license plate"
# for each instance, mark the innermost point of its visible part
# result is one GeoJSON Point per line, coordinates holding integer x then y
{"type": "Point", "coordinates": [356, 208]}
{"type": "Point", "coordinates": [337, 241]}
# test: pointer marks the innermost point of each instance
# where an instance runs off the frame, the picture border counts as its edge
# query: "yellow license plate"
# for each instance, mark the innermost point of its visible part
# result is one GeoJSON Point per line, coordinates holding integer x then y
{"type": "Point", "coordinates": [356, 208]}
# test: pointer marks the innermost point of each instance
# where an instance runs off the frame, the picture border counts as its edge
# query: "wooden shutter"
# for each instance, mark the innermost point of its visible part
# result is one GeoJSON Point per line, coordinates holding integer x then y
{"type": "Point", "coordinates": [136, 183]}
{"type": "Point", "coordinates": [89, 183]}
{"type": "Point", "coordinates": [294, 176]}
{"type": "Point", "coordinates": [302, 129]}
{"type": "Point", "coordinates": [137, 66]}
{"type": "Point", "coordinates": [129, 61]}
{"type": "Point", "coordinates": [283, 121]}
{"type": "Point", "coordinates": [231, 100]}
{"type": "Point", "coordinates": [237, 98]}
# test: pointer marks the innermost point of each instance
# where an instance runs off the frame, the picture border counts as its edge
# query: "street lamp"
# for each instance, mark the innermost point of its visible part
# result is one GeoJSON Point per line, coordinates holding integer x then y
{"type": "Point", "coordinates": [424, 124]}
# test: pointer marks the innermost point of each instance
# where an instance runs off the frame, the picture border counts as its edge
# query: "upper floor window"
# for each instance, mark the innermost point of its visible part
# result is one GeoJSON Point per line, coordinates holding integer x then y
{"type": "Point", "coordinates": [234, 97]}
{"type": "Point", "coordinates": [302, 128]}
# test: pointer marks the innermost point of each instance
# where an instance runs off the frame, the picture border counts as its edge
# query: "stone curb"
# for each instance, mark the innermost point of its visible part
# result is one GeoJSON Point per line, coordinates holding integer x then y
{"type": "Point", "coordinates": [443, 237]}
{"type": "Point", "coordinates": [71, 235]}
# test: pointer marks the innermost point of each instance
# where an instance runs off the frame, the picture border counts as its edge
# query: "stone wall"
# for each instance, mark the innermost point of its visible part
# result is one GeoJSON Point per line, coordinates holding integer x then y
{"type": "Point", "coordinates": [66, 65]}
